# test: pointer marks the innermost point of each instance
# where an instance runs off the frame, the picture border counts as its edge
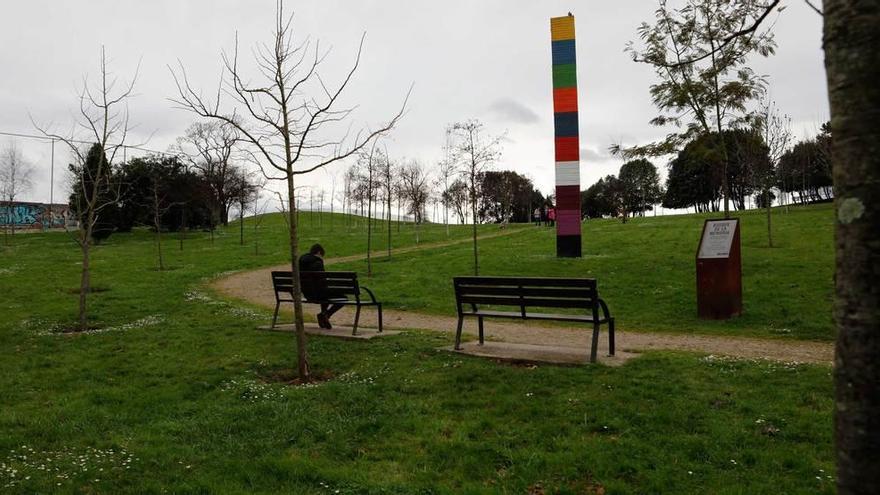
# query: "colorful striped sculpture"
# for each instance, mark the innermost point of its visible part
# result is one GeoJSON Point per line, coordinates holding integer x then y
{"type": "Point", "coordinates": [565, 119]}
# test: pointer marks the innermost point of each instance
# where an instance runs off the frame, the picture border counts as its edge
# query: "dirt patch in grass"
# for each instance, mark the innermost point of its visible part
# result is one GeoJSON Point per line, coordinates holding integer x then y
{"type": "Point", "coordinates": [165, 269]}
{"type": "Point", "coordinates": [290, 376]}
{"type": "Point", "coordinates": [74, 330]}
{"type": "Point", "coordinates": [93, 290]}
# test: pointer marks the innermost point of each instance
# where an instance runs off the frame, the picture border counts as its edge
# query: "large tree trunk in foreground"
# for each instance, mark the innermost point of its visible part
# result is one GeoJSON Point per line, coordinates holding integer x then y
{"type": "Point", "coordinates": [852, 62]}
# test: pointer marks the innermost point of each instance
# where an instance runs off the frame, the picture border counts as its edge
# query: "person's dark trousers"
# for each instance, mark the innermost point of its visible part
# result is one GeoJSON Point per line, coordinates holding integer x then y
{"type": "Point", "coordinates": [328, 309]}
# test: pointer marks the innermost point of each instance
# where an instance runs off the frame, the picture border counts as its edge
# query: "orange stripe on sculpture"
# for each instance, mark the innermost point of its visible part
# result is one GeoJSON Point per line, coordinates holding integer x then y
{"type": "Point", "coordinates": [565, 100]}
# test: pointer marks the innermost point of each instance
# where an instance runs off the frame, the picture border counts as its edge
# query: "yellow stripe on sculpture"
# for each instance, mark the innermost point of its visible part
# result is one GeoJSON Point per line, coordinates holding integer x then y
{"type": "Point", "coordinates": [562, 28]}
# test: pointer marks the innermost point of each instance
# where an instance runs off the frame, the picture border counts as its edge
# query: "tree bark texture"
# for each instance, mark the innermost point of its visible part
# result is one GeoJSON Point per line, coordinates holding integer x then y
{"type": "Point", "coordinates": [301, 354]}
{"type": "Point", "coordinates": [852, 63]}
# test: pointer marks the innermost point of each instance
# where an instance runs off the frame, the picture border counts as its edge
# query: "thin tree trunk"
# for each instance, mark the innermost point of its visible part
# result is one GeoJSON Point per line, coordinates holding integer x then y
{"type": "Point", "coordinates": [85, 276]}
{"type": "Point", "coordinates": [159, 248]}
{"type": "Point", "coordinates": [182, 225]}
{"type": "Point", "coordinates": [474, 221]}
{"type": "Point", "coordinates": [370, 226]}
{"type": "Point", "coordinates": [302, 356]}
{"type": "Point", "coordinates": [852, 63]}
{"type": "Point", "coordinates": [769, 227]}
{"type": "Point", "coordinates": [389, 224]}
{"type": "Point", "coordinates": [241, 225]}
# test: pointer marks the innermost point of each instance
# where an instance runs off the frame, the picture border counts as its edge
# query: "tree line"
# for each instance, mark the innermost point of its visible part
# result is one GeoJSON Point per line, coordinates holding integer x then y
{"type": "Point", "coordinates": [169, 192]}
{"type": "Point", "coordinates": [758, 165]}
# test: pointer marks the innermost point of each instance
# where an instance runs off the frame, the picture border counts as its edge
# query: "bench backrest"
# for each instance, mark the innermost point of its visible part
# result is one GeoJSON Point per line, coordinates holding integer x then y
{"type": "Point", "coordinates": [525, 292]}
{"type": "Point", "coordinates": [339, 283]}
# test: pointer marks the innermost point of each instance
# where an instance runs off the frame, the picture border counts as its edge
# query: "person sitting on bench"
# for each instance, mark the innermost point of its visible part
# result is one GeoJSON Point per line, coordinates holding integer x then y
{"type": "Point", "coordinates": [313, 262]}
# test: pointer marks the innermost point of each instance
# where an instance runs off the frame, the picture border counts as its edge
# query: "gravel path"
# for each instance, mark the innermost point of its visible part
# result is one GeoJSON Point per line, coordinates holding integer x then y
{"type": "Point", "coordinates": [255, 286]}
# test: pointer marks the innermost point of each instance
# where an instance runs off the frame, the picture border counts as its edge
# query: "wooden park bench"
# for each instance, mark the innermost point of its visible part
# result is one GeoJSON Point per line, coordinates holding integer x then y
{"type": "Point", "coordinates": [526, 294]}
{"type": "Point", "coordinates": [343, 286]}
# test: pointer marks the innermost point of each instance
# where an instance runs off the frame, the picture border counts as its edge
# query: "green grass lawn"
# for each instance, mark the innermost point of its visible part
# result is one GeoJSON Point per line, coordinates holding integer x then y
{"type": "Point", "coordinates": [646, 271]}
{"type": "Point", "coordinates": [179, 393]}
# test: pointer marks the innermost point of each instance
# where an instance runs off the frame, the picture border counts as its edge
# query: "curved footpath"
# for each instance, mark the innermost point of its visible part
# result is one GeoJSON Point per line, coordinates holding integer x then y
{"type": "Point", "coordinates": [254, 286]}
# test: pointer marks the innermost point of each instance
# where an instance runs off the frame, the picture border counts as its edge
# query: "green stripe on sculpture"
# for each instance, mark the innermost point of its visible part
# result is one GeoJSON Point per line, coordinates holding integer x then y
{"type": "Point", "coordinates": [564, 76]}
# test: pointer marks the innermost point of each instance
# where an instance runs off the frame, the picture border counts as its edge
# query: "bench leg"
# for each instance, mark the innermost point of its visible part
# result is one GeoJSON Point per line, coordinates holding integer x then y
{"type": "Point", "coordinates": [594, 349]}
{"type": "Point", "coordinates": [357, 317]}
{"type": "Point", "coordinates": [380, 317]}
{"type": "Point", "coordinates": [611, 336]}
{"type": "Point", "coordinates": [275, 315]}
{"type": "Point", "coordinates": [458, 333]}
{"type": "Point", "coordinates": [480, 324]}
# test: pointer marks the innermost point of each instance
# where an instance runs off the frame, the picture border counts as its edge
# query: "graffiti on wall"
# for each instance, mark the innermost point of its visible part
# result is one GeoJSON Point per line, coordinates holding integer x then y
{"type": "Point", "coordinates": [34, 215]}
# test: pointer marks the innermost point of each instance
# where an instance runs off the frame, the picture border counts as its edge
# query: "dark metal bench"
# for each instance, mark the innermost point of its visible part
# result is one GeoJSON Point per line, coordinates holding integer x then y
{"type": "Point", "coordinates": [342, 286]}
{"type": "Point", "coordinates": [530, 293]}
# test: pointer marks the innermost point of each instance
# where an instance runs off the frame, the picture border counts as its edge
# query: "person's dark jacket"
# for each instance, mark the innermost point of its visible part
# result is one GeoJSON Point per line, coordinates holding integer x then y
{"type": "Point", "coordinates": [310, 263]}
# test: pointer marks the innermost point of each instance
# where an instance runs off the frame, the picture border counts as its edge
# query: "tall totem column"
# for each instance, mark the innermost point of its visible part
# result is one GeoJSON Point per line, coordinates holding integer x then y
{"type": "Point", "coordinates": [565, 120]}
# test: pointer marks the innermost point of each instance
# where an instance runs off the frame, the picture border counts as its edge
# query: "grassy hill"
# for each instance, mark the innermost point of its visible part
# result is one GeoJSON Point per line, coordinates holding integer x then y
{"type": "Point", "coordinates": [177, 392]}
{"type": "Point", "coordinates": [647, 272]}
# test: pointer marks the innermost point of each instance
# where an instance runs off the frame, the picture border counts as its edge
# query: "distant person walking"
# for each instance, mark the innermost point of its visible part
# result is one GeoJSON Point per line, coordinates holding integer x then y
{"type": "Point", "coordinates": [315, 290]}
{"type": "Point", "coordinates": [536, 216]}
{"type": "Point", "coordinates": [551, 216]}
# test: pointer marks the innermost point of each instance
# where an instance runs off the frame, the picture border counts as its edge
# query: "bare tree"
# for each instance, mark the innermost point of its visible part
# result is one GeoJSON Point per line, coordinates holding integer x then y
{"type": "Point", "coordinates": [388, 174]}
{"type": "Point", "coordinates": [416, 188]}
{"type": "Point", "coordinates": [103, 116]}
{"type": "Point", "coordinates": [259, 216]}
{"type": "Point", "coordinates": [457, 197]}
{"type": "Point", "coordinates": [209, 147]}
{"type": "Point", "coordinates": [244, 189]}
{"type": "Point", "coordinates": [775, 131]}
{"type": "Point", "coordinates": [15, 179]}
{"type": "Point", "coordinates": [159, 205]}
{"type": "Point", "coordinates": [447, 170]}
{"type": "Point", "coordinates": [476, 153]}
{"type": "Point", "coordinates": [369, 164]}
{"type": "Point", "coordinates": [350, 179]}
{"type": "Point", "coordinates": [281, 119]}
{"type": "Point", "coordinates": [321, 195]}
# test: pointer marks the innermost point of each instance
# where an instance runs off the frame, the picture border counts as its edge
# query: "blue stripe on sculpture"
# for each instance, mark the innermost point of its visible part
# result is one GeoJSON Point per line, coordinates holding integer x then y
{"type": "Point", "coordinates": [563, 52]}
{"type": "Point", "coordinates": [566, 124]}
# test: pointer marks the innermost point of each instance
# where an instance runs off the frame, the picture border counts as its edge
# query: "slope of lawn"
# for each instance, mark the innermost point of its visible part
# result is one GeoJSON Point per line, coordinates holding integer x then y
{"type": "Point", "coordinates": [647, 272]}
{"type": "Point", "coordinates": [176, 391]}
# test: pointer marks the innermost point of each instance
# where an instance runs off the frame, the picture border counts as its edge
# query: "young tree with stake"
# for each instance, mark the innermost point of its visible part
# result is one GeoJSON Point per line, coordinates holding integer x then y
{"type": "Point", "coordinates": [103, 112]}
{"type": "Point", "coordinates": [476, 154]}
{"type": "Point", "coordinates": [15, 179]}
{"type": "Point", "coordinates": [281, 119]}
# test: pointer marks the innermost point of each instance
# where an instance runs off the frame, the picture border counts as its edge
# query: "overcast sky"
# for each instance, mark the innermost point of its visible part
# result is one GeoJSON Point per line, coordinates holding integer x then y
{"type": "Point", "coordinates": [488, 60]}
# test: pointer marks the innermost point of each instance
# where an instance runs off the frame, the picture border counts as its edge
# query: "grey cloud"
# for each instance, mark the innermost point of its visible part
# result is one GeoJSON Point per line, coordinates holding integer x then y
{"type": "Point", "coordinates": [594, 154]}
{"type": "Point", "coordinates": [511, 110]}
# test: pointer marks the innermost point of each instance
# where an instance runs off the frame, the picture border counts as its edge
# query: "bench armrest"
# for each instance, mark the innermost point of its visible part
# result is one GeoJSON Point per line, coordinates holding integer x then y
{"type": "Point", "coordinates": [372, 296]}
{"type": "Point", "coordinates": [604, 308]}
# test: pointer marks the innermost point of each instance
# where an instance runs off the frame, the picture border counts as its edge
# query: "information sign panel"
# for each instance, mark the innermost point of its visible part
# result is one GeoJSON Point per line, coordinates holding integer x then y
{"type": "Point", "coordinates": [717, 239]}
{"type": "Point", "coordinates": [719, 270]}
